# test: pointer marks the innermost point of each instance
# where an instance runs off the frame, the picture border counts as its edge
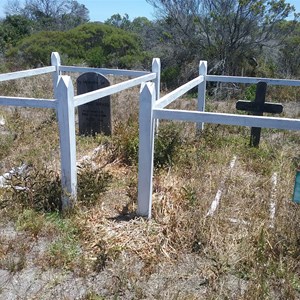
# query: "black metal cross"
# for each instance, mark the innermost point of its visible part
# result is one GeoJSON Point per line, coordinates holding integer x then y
{"type": "Point", "coordinates": [257, 108]}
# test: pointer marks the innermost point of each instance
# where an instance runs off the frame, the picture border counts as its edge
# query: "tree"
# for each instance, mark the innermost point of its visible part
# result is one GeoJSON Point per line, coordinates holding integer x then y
{"type": "Point", "coordinates": [50, 14]}
{"type": "Point", "coordinates": [118, 21]}
{"type": "Point", "coordinates": [229, 34]}
{"type": "Point", "coordinates": [289, 53]}
{"type": "Point", "coordinates": [13, 29]}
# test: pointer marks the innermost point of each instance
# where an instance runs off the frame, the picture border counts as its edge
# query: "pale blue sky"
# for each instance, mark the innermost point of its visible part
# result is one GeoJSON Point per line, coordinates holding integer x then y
{"type": "Point", "coordinates": [100, 10]}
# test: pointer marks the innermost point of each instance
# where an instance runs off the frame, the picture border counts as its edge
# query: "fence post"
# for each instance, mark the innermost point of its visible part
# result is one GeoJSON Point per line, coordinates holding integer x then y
{"type": "Point", "coordinates": [55, 61]}
{"type": "Point", "coordinates": [146, 148]}
{"type": "Point", "coordinates": [156, 68]}
{"type": "Point", "coordinates": [202, 92]}
{"type": "Point", "coordinates": [66, 122]}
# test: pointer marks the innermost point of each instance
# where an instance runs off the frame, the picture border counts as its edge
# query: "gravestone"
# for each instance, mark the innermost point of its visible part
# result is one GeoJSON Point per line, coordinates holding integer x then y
{"type": "Point", "coordinates": [94, 117]}
{"type": "Point", "coordinates": [257, 108]}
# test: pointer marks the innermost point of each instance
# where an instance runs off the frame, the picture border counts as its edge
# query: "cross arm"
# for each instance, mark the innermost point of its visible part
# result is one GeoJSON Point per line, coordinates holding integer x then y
{"type": "Point", "coordinates": [269, 107]}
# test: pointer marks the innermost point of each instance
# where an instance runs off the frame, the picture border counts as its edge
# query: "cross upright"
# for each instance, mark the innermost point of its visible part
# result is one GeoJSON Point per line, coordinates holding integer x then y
{"type": "Point", "coordinates": [257, 108]}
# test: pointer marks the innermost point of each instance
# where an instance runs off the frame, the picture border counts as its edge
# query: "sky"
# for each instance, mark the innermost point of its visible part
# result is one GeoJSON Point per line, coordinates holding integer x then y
{"type": "Point", "coordinates": [101, 10]}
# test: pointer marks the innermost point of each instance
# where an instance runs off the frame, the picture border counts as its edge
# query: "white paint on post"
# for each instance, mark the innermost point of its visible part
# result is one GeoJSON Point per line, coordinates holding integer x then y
{"type": "Point", "coordinates": [156, 68]}
{"type": "Point", "coordinates": [146, 148]}
{"type": "Point", "coordinates": [216, 201]}
{"type": "Point", "coordinates": [272, 200]}
{"type": "Point", "coordinates": [202, 91]}
{"type": "Point", "coordinates": [55, 61]}
{"type": "Point", "coordinates": [66, 120]}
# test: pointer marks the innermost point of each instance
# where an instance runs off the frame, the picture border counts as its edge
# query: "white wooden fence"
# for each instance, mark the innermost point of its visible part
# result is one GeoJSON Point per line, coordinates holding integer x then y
{"type": "Point", "coordinates": [152, 110]}
{"type": "Point", "coordinates": [65, 102]}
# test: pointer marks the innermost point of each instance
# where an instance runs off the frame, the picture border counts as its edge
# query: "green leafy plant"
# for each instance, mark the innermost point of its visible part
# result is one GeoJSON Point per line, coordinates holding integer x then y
{"type": "Point", "coordinates": [126, 141]}
{"type": "Point", "coordinates": [91, 183]}
{"type": "Point", "coordinates": [30, 221]}
{"type": "Point", "coordinates": [37, 188]}
{"type": "Point", "coordinates": [166, 144]}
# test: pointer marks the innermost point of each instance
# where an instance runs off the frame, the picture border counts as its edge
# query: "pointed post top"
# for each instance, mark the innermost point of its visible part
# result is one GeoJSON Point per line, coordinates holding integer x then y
{"type": "Point", "coordinates": [156, 64]}
{"type": "Point", "coordinates": [147, 89]}
{"type": "Point", "coordinates": [203, 67]}
{"type": "Point", "coordinates": [55, 59]}
{"type": "Point", "coordinates": [65, 84]}
{"type": "Point", "coordinates": [65, 80]}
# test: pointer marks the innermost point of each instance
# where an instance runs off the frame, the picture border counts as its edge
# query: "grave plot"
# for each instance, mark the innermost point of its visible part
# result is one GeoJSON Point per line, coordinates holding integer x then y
{"type": "Point", "coordinates": [240, 193]}
{"type": "Point", "coordinates": [257, 108]}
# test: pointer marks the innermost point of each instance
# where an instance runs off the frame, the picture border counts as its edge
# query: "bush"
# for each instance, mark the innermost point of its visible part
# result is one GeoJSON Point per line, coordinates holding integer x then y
{"type": "Point", "coordinates": [41, 190]}
{"type": "Point", "coordinates": [98, 45]}
{"type": "Point", "coordinates": [126, 141]}
{"type": "Point", "coordinates": [91, 183]}
{"type": "Point", "coordinates": [166, 144]}
{"type": "Point", "coordinates": [37, 189]}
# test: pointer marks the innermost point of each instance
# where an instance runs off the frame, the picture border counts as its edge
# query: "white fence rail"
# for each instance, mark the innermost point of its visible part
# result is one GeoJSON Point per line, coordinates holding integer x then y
{"type": "Point", "coordinates": [27, 73]}
{"type": "Point", "coordinates": [104, 71]}
{"type": "Point", "coordinates": [88, 97]}
{"type": "Point", "coordinates": [252, 80]}
{"type": "Point", "coordinates": [28, 102]}
{"type": "Point", "coordinates": [151, 111]}
{"type": "Point", "coordinates": [64, 103]}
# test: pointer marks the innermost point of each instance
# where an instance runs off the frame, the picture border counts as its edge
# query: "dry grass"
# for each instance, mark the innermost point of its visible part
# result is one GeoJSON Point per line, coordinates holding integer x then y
{"type": "Point", "coordinates": [240, 252]}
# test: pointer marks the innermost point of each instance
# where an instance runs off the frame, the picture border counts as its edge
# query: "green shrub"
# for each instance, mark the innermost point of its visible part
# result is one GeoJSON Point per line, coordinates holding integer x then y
{"type": "Point", "coordinates": [37, 189]}
{"type": "Point", "coordinates": [98, 45]}
{"type": "Point", "coordinates": [41, 190]}
{"type": "Point", "coordinates": [126, 141]}
{"type": "Point", "coordinates": [170, 75]}
{"type": "Point", "coordinates": [166, 144]}
{"type": "Point", "coordinates": [91, 183]}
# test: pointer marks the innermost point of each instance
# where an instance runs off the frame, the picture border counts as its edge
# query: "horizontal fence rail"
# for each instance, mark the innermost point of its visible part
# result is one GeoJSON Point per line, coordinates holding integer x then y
{"type": "Point", "coordinates": [28, 102]}
{"type": "Point", "coordinates": [169, 98]}
{"type": "Point", "coordinates": [253, 80]}
{"type": "Point", "coordinates": [104, 71]}
{"type": "Point", "coordinates": [88, 97]}
{"type": "Point", "coordinates": [26, 73]}
{"type": "Point", "coordinates": [227, 119]}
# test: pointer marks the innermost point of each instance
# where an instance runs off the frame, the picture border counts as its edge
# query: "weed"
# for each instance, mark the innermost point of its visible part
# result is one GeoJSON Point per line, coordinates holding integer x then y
{"type": "Point", "coordinates": [190, 195]}
{"type": "Point", "coordinates": [38, 189]}
{"type": "Point", "coordinates": [64, 251]}
{"type": "Point", "coordinates": [91, 183]}
{"type": "Point", "coordinates": [126, 140]}
{"type": "Point", "coordinates": [6, 144]}
{"type": "Point", "coordinates": [13, 255]}
{"type": "Point", "coordinates": [92, 296]}
{"type": "Point", "coordinates": [30, 221]}
{"type": "Point", "coordinates": [166, 145]}
{"type": "Point", "coordinates": [250, 92]}
{"type": "Point", "coordinates": [105, 254]}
